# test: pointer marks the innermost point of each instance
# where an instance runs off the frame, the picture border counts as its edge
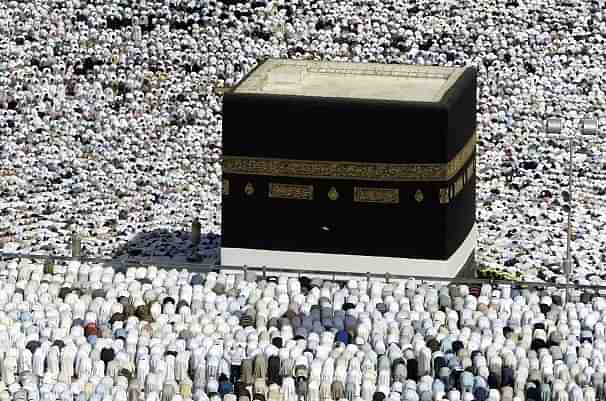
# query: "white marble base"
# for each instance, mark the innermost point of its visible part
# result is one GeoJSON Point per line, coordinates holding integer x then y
{"type": "Point", "coordinates": [352, 263]}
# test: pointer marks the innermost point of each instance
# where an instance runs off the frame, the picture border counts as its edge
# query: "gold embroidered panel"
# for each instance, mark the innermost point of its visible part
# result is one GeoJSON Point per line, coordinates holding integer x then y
{"type": "Point", "coordinates": [291, 191]}
{"type": "Point", "coordinates": [376, 195]}
{"type": "Point", "coordinates": [344, 170]}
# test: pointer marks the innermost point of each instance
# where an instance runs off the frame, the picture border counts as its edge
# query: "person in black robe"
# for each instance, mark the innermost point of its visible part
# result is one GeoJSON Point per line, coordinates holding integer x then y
{"type": "Point", "coordinates": [273, 370]}
{"type": "Point", "coordinates": [412, 368]}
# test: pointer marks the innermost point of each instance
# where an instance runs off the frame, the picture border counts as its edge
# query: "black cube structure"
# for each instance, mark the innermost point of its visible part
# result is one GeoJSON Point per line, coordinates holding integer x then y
{"type": "Point", "coordinates": [350, 167]}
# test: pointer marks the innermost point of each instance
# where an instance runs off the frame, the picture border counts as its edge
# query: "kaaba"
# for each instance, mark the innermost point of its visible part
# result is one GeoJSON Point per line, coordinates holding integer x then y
{"type": "Point", "coordinates": [349, 167]}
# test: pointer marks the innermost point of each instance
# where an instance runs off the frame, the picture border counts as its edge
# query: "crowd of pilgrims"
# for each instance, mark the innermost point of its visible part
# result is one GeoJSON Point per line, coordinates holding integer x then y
{"type": "Point", "coordinates": [76, 331]}
{"type": "Point", "coordinates": [110, 115]}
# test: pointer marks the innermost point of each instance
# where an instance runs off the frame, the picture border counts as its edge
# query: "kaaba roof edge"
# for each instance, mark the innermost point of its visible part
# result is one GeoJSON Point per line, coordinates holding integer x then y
{"type": "Point", "coordinates": [395, 82]}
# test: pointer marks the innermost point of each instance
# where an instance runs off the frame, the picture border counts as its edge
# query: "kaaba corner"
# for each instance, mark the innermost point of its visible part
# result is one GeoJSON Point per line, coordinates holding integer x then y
{"type": "Point", "coordinates": [350, 167]}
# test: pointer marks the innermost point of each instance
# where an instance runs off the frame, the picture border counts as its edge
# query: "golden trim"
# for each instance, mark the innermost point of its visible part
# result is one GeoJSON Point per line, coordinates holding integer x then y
{"type": "Point", "coordinates": [450, 192]}
{"type": "Point", "coordinates": [333, 195]}
{"type": "Point", "coordinates": [376, 195]}
{"type": "Point", "coordinates": [362, 194]}
{"type": "Point", "coordinates": [291, 191]}
{"type": "Point", "coordinates": [225, 187]}
{"type": "Point", "coordinates": [384, 172]}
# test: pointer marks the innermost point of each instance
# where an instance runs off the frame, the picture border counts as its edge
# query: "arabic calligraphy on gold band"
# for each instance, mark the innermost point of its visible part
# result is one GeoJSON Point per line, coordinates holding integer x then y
{"type": "Point", "coordinates": [376, 195]}
{"type": "Point", "coordinates": [362, 194]}
{"type": "Point", "coordinates": [291, 191]}
{"type": "Point", "coordinates": [392, 172]}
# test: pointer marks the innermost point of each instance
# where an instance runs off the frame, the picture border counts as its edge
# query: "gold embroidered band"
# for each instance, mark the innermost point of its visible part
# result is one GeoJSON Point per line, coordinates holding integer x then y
{"type": "Point", "coordinates": [376, 195]}
{"type": "Point", "coordinates": [382, 172]}
{"type": "Point", "coordinates": [291, 191]}
{"type": "Point", "coordinates": [362, 194]}
{"type": "Point", "coordinates": [449, 193]}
